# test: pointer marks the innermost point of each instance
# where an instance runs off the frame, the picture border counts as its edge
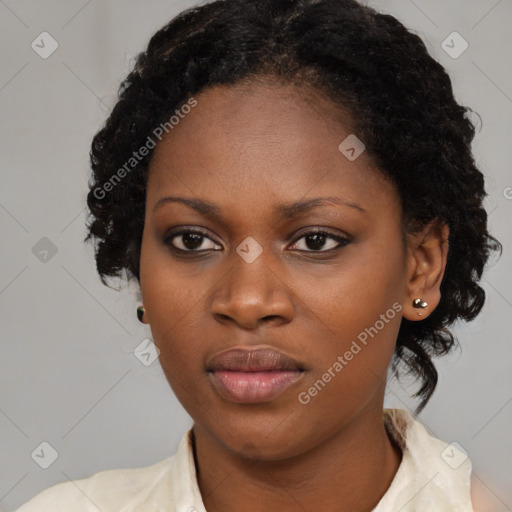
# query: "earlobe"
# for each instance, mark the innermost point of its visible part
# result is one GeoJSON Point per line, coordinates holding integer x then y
{"type": "Point", "coordinates": [426, 263]}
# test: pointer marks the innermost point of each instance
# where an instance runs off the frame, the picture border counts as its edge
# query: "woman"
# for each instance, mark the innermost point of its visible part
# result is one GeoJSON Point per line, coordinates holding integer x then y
{"type": "Point", "coordinates": [292, 186]}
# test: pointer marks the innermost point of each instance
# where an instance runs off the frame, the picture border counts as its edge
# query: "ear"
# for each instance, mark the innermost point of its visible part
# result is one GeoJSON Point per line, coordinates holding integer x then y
{"type": "Point", "coordinates": [427, 253]}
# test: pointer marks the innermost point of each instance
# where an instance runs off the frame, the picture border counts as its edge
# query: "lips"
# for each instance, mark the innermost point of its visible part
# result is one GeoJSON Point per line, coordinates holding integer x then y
{"type": "Point", "coordinates": [243, 375]}
{"type": "Point", "coordinates": [252, 360]}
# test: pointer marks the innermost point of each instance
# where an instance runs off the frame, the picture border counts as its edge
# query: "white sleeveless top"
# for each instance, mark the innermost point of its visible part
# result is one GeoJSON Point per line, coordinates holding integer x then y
{"type": "Point", "coordinates": [433, 476]}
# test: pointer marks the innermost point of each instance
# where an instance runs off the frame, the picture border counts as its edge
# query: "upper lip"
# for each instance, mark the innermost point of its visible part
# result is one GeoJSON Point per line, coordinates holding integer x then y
{"type": "Point", "coordinates": [252, 360]}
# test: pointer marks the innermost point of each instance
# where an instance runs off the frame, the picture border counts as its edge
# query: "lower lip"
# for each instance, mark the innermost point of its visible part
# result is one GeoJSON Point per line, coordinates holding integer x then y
{"type": "Point", "coordinates": [253, 387]}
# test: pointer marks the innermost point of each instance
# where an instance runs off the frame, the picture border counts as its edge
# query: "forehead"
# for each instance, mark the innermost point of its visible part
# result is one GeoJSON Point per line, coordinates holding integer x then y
{"type": "Point", "coordinates": [254, 142]}
{"type": "Point", "coordinates": [258, 111]}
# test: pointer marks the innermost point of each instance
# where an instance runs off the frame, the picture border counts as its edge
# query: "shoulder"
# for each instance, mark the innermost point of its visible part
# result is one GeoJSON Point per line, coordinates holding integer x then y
{"type": "Point", "coordinates": [107, 490]}
{"type": "Point", "coordinates": [438, 473]}
{"type": "Point", "coordinates": [481, 496]}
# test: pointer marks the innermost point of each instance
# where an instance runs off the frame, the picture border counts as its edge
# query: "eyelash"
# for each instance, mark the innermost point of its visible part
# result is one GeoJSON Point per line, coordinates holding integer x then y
{"type": "Point", "coordinates": [343, 241]}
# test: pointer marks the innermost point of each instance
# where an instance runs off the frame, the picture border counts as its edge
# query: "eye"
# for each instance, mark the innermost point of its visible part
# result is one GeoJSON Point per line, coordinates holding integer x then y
{"type": "Point", "coordinates": [192, 240]}
{"type": "Point", "coordinates": [316, 239]}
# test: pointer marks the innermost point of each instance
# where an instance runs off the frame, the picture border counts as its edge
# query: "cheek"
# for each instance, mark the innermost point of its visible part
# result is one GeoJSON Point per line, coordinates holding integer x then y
{"type": "Point", "coordinates": [169, 290]}
{"type": "Point", "coordinates": [354, 294]}
{"type": "Point", "coordinates": [350, 370]}
{"type": "Point", "coordinates": [357, 311]}
{"type": "Point", "coordinates": [174, 304]}
{"type": "Point", "coordinates": [170, 297]}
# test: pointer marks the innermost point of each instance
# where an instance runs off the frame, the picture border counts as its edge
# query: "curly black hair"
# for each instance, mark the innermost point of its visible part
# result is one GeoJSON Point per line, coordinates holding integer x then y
{"type": "Point", "coordinates": [365, 62]}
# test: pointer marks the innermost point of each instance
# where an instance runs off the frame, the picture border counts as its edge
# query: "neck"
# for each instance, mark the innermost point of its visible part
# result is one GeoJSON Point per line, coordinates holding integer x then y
{"type": "Point", "coordinates": [351, 470]}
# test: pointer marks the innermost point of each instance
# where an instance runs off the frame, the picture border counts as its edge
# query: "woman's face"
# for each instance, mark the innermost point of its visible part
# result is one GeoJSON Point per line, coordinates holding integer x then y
{"type": "Point", "coordinates": [257, 277]}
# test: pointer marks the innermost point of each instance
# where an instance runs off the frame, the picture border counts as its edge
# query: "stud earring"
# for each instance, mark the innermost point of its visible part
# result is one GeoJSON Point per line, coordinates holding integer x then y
{"type": "Point", "coordinates": [419, 303]}
{"type": "Point", "coordinates": [140, 313]}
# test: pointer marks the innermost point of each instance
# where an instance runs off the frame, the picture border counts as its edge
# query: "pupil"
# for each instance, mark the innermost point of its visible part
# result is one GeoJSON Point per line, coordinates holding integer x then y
{"type": "Point", "coordinates": [318, 241]}
{"type": "Point", "coordinates": [192, 239]}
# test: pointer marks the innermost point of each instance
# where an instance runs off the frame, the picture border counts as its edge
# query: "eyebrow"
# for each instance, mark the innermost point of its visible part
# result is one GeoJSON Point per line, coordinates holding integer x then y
{"type": "Point", "coordinates": [285, 211]}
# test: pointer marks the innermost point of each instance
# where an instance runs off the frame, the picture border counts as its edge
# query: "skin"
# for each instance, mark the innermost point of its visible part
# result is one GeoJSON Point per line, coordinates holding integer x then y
{"type": "Point", "coordinates": [248, 148]}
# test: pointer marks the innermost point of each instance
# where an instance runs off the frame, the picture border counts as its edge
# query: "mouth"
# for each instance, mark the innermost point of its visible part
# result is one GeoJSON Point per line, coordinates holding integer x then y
{"type": "Point", "coordinates": [253, 375]}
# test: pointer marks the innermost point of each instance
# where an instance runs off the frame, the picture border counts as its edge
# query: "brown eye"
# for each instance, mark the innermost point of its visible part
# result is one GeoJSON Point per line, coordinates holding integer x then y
{"type": "Point", "coordinates": [315, 241]}
{"type": "Point", "coordinates": [190, 241]}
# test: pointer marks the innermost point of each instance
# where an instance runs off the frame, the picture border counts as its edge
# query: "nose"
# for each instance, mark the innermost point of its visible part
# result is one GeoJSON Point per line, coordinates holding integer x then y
{"type": "Point", "coordinates": [251, 294]}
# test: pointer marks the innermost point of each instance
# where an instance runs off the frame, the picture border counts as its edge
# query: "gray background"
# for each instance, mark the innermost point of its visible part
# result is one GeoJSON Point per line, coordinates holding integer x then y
{"type": "Point", "coordinates": [68, 373]}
